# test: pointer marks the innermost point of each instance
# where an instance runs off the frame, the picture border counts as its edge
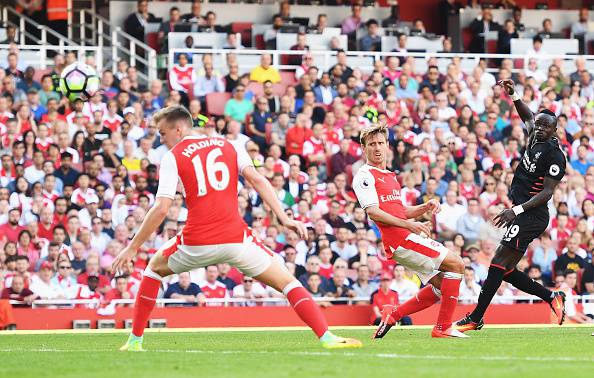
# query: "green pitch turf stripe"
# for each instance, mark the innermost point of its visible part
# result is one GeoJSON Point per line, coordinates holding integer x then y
{"type": "Point", "coordinates": [309, 353]}
{"type": "Point", "coordinates": [265, 329]}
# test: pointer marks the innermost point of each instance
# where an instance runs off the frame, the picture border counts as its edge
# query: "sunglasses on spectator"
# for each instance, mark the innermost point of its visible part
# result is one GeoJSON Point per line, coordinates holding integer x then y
{"type": "Point", "coordinates": [258, 218]}
{"type": "Point", "coordinates": [248, 280]}
{"type": "Point", "coordinates": [490, 184]}
{"type": "Point", "coordinates": [65, 267]}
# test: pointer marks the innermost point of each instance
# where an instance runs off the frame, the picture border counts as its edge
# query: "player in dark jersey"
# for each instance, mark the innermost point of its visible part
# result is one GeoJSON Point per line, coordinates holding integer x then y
{"type": "Point", "coordinates": [541, 169]}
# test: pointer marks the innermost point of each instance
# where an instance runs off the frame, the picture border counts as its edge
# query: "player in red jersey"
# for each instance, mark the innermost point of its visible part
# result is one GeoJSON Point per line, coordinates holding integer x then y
{"type": "Point", "coordinates": [209, 168]}
{"type": "Point", "coordinates": [405, 240]}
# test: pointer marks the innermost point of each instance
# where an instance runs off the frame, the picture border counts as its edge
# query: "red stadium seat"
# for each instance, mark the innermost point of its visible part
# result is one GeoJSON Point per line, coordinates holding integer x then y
{"type": "Point", "coordinates": [260, 43]}
{"type": "Point", "coordinates": [152, 39]}
{"type": "Point", "coordinates": [279, 89]}
{"type": "Point", "coordinates": [215, 103]}
{"type": "Point", "coordinates": [256, 88]}
{"type": "Point", "coordinates": [288, 78]}
{"type": "Point", "coordinates": [39, 74]}
{"type": "Point", "coordinates": [466, 38]}
{"type": "Point", "coordinates": [492, 46]}
{"type": "Point", "coordinates": [245, 28]}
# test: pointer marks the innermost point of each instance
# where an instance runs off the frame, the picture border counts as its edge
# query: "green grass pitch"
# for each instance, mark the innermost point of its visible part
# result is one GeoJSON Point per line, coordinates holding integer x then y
{"type": "Point", "coordinates": [404, 352]}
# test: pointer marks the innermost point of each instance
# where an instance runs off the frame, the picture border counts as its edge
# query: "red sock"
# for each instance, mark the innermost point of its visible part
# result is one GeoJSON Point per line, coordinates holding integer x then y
{"type": "Point", "coordinates": [450, 288]}
{"type": "Point", "coordinates": [145, 302]}
{"type": "Point", "coordinates": [423, 299]}
{"type": "Point", "coordinates": [306, 308]}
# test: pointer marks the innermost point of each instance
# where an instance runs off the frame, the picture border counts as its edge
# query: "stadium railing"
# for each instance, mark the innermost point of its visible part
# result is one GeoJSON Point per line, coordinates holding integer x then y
{"type": "Point", "coordinates": [529, 299]}
{"type": "Point", "coordinates": [24, 22]}
{"type": "Point", "coordinates": [97, 30]}
{"type": "Point", "coordinates": [37, 55]}
{"type": "Point", "coordinates": [364, 60]}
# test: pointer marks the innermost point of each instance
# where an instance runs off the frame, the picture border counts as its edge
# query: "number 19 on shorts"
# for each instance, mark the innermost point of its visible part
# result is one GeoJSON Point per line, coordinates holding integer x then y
{"type": "Point", "coordinates": [511, 232]}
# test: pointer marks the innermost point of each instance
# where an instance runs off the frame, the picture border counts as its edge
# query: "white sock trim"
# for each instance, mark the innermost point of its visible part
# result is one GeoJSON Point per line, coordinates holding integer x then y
{"type": "Point", "coordinates": [292, 285]}
{"type": "Point", "coordinates": [436, 291]}
{"type": "Point", "coordinates": [149, 273]}
{"type": "Point", "coordinates": [452, 276]}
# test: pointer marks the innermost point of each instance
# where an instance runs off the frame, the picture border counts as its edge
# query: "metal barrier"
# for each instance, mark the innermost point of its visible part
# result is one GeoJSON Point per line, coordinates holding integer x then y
{"type": "Point", "coordinates": [40, 54]}
{"type": "Point", "coordinates": [583, 299]}
{"type": "Point", "coordinates": [364, 60]}
{"type": "Point", "coordinates": [23, 21]}
{"type": "Point", "coordinates": [120, 44]}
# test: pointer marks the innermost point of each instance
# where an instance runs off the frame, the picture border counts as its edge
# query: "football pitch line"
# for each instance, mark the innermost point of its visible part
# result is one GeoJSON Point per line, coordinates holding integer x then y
{"type": "Point", "coordinates": [267, 329]}
{"type": "Point", "coordinates": [318, 354]}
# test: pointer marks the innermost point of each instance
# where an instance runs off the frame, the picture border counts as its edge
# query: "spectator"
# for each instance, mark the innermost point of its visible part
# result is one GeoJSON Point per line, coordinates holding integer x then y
{"type": "Point", "coordinates": [372, 41]}
{"type": "Point", "coordinates": [324, 92]}
{"type": "Point", "coordinates": [339, 288]}
{"type": "Point", "coordinates": [405, 288]}
{"type": "Point", "coordinates": [362, 287]}
{"type": "Point", "coordinates": [580, 28]}
{"type": "Point", "coordinates": [136, 22]}
{"type": "Point", "coordinates": [300, 45]}
{"type": "Point", "coordinates": [270, 34]}
{"type": "Point", "coordinates": [11, 35]}
{"type": "Point", "coordinates": [469, 289]}
{"type": "Point", "coordinates": [297, 135]}
{"type": "Point", "coordinates": [517, 17]}
{"type": "Point", "coordinates": [195, 15]}
{"type": "Point", "coordinates": [186, 290]}
{"type": "Point", "coordinates": [232, 43]}
{"type": "Point", "coordinates": [92, 270]}
{"type": "Point", "coordinates": [207, 83]}
{"type": "Point", "coordinates": [41, 283]}
{"type": "Point", "coordinates": [381, 297]}
{"type": "Point", "coordinates": [265, 72]}
{"type": "Point", "coordinates": [505, 36]}
{"type": "Point", "coordinates": [18, 292]}
{"type": "Point", "coordinates": [479, 27]}
{"type": "Point", "coordinates": [570, 258]}
{"type": "Point", "coordinates": [120, 291]}
{"type": "Point", "coordinates": [354, 21]}
{"type": "Point", "coordinates": [213, 289]}
{"type": "Point", "coordinates": [211, 24]}
{"type": "Point", "coordinates": [479, 270]}
{"type": "Point", "coordinates": [503, 295]}
{"type": "Point", "coordinates": [574, 309]}
{"type": "Point", "coordinates": [447, 218]}
{"type": "Point", "coordinates": [249, 291]}
{"type": "Point", "coordinates": [224, 271]}
{"type": "Point", "coordinates": [238, 107]}
{"type": "Point", "coordinates": [312, 267]}
{"type": "Point", "coordinates": [166, 28]}
{"type": "Point", "coordinates": [182, 76]}
{"type": "Point", "coordinates": [470, 223]}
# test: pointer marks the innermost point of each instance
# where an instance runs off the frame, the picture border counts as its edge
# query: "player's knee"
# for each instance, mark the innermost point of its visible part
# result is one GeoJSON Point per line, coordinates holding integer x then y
{"type": "Point", "coordinates": [454, 264]}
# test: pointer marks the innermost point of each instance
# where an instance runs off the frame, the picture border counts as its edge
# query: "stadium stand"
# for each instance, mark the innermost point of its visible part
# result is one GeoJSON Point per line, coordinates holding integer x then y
{"type": "Point", "coordinates": [75, 184]}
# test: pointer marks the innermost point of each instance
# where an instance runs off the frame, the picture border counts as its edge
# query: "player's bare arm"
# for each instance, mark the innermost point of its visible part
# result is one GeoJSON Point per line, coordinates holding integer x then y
{"type": "Point", "coordinates": [504, 218]}
{"type": "Point", "coordinates": [523, 111]}
{"type": "Point", "coordinates": [416, 211]}
{"type": "Point", "coordinates": [378, 215]}
{"type": "Point", "coordinates": [155, 216]}
{"type": "Point", "coordinates": [264, 188]}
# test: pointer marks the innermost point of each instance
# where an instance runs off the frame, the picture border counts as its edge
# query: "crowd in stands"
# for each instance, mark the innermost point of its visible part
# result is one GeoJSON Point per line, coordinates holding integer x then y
{"type": "Point", "coordinates": [77, 179]}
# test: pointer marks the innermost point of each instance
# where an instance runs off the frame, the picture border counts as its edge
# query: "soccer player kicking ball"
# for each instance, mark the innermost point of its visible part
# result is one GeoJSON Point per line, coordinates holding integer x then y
{"type": "Point", "coordinates": [208, 168]}
{"type": "Point", "coordinates": [378, 192]}
{"type": "Point", "coordinates": [538, 174]}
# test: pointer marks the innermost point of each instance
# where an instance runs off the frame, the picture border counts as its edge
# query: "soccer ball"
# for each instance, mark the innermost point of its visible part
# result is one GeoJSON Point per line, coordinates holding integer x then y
{"type": "Point", "coordinates": [79, 81]}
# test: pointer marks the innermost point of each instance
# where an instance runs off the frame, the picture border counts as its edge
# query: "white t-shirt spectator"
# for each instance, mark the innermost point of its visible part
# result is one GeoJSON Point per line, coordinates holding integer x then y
{"type": "Point", "coordinates": [33, 175]}
{"type": "Point", "coordinates": [469, 293]}
{"type": "Point", "coordinates": [406, 289]}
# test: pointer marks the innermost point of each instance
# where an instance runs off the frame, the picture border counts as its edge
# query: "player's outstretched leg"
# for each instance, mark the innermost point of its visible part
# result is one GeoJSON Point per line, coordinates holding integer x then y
{"type": "Point", "coordinates": [555, 299]}
{"type": "Point", "coordinates": [303, 304]}
{"type": "Point", "coordinates": [426, 297]}
{"type": "Point", "coordinates": [504, 260]}
{"type": "Point", "coordinates": [145, 300]}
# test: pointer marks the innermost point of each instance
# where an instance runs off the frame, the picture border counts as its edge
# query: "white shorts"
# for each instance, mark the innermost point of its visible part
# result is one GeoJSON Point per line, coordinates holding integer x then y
{"type": "Point", "coordinates": [251, 257]}
{"type": "Point", "coordinates": [421, 255]}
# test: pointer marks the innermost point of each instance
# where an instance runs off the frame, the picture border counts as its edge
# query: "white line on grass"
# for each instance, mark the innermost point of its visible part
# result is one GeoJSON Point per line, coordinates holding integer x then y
{"type": "Point", "coordinates": [321, 353]}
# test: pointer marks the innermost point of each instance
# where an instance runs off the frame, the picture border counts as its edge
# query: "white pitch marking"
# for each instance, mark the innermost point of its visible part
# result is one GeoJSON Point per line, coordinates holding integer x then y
{"type": "Point", "coordinates": [304, 353]}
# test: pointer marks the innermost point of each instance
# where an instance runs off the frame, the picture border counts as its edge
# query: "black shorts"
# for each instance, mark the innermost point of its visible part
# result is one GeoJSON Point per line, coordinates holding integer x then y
{"type": "Point", "coordinates": [524, 229]}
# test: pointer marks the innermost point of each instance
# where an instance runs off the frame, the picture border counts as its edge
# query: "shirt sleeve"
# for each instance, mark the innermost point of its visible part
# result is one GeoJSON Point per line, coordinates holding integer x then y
{"type": "Point", "coordinates": [364, 186]}
{"type": "Point", "coordinates": [167, 176]}
{"type": "Point", "coordinates": [556, 165]}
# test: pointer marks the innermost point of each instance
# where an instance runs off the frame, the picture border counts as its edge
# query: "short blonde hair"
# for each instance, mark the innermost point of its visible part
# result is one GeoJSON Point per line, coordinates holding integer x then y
{"type": "Point", "coordinates": [172, 114]}
{"type": "Point", "coordinates": [373, 130]}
